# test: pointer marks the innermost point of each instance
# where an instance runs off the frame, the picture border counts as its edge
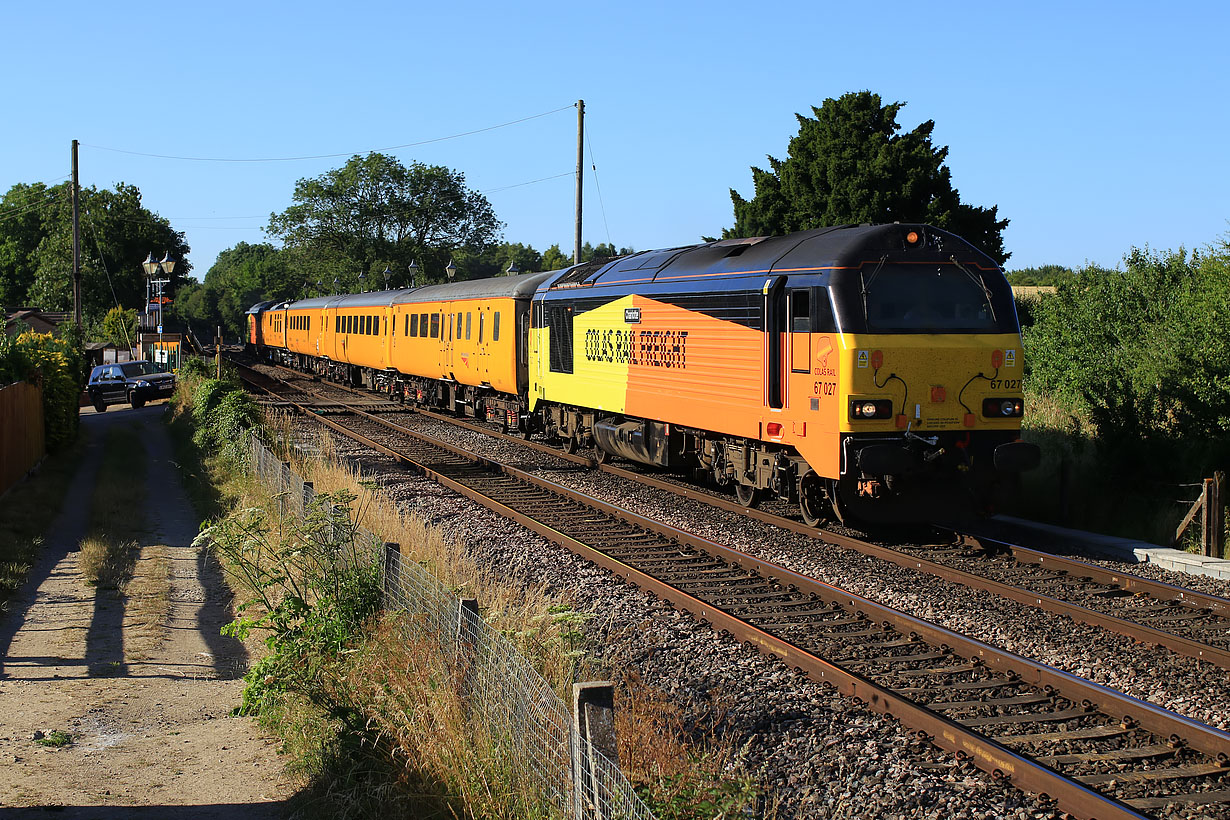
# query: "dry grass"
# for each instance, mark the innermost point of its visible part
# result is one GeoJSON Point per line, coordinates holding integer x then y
{"type": "Point", "coordinates": [112, 557]}
{"type": "Point", "coordinates": [117, 511]}
{"type": "Point", "coordinates": [420, 752]}
{"type": "Point", "coordinates": [28, 510]}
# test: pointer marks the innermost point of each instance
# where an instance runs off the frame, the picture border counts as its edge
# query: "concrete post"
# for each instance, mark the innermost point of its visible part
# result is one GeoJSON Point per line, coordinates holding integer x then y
{"type": "Point", "coordinates": [593, 714]}
{"type": "Point", "coordinates": [392, 575]}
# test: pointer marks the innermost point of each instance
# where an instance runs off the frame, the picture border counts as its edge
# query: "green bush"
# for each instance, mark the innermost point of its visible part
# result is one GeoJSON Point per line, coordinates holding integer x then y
{"type": "Point", "coordinates": [1146, 353]}
{"type": "Point", "coordinates": [58, 364]}
{"type": "Point", "coordinates": [310, 585]}
{"type": "Point", "coordinates": [224, 416]}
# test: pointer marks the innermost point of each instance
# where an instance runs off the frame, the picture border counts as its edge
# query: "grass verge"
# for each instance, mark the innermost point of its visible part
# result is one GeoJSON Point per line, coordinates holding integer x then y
{"type": "Point", "coordinates": [376, 722]}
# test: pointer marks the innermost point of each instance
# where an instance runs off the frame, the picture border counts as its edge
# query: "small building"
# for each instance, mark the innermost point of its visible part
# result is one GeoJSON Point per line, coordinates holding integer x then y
{"type": "Point", "coordinates": [97, 353]}
{"type": "Point", "coordinates": [18, 319]}
{"type": "Point", "coordinates": [163, 349]}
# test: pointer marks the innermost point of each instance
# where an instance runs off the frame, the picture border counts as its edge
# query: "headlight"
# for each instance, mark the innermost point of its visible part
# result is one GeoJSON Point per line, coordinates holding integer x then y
{"type": "Point", "coordinates": [1003, 408]}
{"type": "Point", "coordinates": [862, 409]}
{"type": "Point", "coordinates": [142, 383]}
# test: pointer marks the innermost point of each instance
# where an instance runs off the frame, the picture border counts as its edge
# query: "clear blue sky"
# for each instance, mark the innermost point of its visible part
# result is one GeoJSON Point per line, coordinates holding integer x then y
{"type": "Point", "coordinates": [1094, 127]}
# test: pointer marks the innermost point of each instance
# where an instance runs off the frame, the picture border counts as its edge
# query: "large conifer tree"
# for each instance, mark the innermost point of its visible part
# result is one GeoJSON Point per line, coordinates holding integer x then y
{"type": "Point", "coordinates": [851, 164]}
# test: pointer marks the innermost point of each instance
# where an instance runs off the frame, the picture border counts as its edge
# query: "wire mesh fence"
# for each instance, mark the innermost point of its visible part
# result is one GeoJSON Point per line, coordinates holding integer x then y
{"type": "Point", "coordinates": [533, 730]}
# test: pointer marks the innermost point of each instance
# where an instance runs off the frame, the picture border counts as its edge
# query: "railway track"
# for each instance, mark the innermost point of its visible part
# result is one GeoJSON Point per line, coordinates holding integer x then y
{"type": "Point", "coordinates": [1095, 751]}
{"type": "Point", "coordinates": [1184, 621]}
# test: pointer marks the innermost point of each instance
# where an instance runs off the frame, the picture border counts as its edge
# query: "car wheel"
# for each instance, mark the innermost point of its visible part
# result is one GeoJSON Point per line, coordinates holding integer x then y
{"type": "Point", "coordinates": [137, 401]}
{"type": "Point", "coordinates": [100, 406]}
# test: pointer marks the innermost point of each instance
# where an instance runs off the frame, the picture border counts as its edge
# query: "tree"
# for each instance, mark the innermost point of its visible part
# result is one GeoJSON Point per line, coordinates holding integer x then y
{"type": "Point", "coordinates": [374, 212]}
{"type": "Point", "coordinates": [117, 233]}
{"type": "Point", "coordinates": [119, 327]}
{"type": "Point", "coordinates": [850, 165]}
{"type": "Point", "coordinates": [555, 259]}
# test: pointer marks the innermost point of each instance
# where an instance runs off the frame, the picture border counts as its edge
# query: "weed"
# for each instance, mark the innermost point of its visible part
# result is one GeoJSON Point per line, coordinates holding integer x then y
{"type": "Point", "coordinates": [55, 739]}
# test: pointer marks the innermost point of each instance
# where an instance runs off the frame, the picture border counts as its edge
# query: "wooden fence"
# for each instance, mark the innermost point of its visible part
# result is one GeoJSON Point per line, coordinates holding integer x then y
{"type": "Point", "coordinates": [22, 436]}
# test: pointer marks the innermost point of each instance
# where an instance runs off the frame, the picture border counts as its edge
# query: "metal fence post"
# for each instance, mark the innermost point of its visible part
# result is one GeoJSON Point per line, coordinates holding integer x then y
{"type": "Point", "coordinates": [392, 575]}
{"type": "Point", "coordinates": [593, 715]}
{"type": "Point", "coordinates": [309, 495]}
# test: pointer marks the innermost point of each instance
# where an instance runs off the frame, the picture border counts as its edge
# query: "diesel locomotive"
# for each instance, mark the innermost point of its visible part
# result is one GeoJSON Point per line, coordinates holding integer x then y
{"type": "Point", "coordinates": [863, 372]}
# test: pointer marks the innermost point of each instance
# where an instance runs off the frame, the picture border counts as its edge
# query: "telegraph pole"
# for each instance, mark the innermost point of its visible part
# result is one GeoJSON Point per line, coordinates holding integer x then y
{"type": "Point", "coordinates": [576, 248]}
{"type": "Point", "coordinates": [76, 241]}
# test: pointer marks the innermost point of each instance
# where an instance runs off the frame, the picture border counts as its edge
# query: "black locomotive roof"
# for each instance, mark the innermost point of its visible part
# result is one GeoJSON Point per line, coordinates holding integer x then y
{"type": "Point", "coordinates": [822, 249]}
{"type": "Point", "coordinates": [260, 307]}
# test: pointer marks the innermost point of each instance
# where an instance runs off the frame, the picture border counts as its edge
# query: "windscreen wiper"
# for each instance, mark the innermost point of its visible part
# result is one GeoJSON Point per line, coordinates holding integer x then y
{"type": "Point", "coordinates": [978, 280]}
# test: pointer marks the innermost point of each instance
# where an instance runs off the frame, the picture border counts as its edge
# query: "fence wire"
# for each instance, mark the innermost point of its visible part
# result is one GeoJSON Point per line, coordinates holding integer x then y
{"type": "Point", "coordinates": [530, 725]}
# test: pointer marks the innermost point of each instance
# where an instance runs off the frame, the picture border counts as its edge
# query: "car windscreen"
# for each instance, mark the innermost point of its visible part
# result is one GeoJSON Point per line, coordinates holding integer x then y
{"type": "Point", "coordinates": [939, 298]}
{"type": "Point", "coordinates": [138, 369]}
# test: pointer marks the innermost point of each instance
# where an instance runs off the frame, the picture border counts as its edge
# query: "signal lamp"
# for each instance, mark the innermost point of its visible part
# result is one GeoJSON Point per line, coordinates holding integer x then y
{"type": "Point", "coordinates": [774, 428]}
{"type": "Point", "coordinates": [912, 238]}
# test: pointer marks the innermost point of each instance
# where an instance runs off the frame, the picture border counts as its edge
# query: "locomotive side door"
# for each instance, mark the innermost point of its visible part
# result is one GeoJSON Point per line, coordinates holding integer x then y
{"type": "Point", "coordinates": [774, 342]}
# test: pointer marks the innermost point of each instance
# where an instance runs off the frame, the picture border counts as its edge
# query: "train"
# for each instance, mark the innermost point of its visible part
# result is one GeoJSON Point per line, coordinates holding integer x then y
{"type": "Point", "coordinates": [866, 373]}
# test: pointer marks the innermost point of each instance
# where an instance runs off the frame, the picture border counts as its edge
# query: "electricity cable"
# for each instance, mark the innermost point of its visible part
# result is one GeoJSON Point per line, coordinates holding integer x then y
{"type": "Point", "coordinates": [334, 156]}
{"type": "Point", "coordinates": [601, 206]}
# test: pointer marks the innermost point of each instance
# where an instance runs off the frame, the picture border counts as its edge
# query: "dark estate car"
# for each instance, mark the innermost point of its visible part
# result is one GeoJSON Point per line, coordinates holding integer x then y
{"type": "Point", "coordinates": [132, 382]}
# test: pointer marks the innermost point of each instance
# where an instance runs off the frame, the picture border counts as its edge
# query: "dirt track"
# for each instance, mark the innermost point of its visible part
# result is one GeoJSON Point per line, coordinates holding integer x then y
{"type": "Point", "coordinates": [147, 706]}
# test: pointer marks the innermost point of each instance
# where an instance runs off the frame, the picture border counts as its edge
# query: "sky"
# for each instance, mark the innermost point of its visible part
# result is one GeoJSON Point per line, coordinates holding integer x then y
{"type": "Point", "coordinates": [1094, 127]}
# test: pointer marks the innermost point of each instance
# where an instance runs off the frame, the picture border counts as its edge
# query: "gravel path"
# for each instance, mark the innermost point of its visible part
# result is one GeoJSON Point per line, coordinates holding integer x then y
{"type": "Point", "coordinates": [152, 736]}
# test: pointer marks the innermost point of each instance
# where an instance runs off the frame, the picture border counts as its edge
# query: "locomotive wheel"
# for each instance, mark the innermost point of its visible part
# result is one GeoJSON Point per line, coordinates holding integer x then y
{"type": "Point", "coordinates": [747, 495]}
{"type": "Point", "coordinates": [603, 457]}
{"type": "Point", "coordinates": [569, 445]}
{"type": "Point", "coordinates": [813, 501]}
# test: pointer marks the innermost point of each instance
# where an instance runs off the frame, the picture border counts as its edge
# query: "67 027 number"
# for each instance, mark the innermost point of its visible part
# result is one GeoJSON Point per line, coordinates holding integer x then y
{"type": "Point", "coordinates": [1005, 384]}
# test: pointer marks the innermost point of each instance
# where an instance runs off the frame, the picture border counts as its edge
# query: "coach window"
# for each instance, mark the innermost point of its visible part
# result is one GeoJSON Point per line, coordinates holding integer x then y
{"type": "Point", "coordinates": [495, 327]}
{"type": "Point", "coordinates": [423, 324]}
{"type": "Point", "coordinates": [412, 321]}
{"type": "Point", "coordinates": [800, 331]}
{"type": "Point", "coordinates": [468, 325]}
{"type": "Point", "coordinates": [458, 326]}
{"type": "Point", "coordinates": [480, 327]}
{"type": "Point", "coordinates": [435, 325]}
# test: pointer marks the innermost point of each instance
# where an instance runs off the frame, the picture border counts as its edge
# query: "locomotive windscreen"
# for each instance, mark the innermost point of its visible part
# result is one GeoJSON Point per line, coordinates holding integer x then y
{"type": "Point", "coordinates": [930, 299]}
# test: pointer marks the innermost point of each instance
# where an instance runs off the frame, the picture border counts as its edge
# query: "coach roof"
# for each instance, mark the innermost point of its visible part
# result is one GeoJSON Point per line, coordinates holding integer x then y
{"type": "Point", "coordinates": [521, 286]}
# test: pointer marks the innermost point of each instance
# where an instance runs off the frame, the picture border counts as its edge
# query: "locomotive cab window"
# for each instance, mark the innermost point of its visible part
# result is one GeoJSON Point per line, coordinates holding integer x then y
{"type": "Point", "coordinates": [928, 299]}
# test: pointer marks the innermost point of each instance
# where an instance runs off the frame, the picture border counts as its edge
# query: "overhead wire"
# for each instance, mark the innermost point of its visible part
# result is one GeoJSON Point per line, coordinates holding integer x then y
{"type": "Point", "coordinates": [601, 206]}
{"type": "Point", "coordinates": [341, 154]}
{"type": "Point", "coordinates": [31, 204]}
{"type": "Point", "coordinates": [531, 182]}
{"type": "Point", "coordinates": [103, 259]}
